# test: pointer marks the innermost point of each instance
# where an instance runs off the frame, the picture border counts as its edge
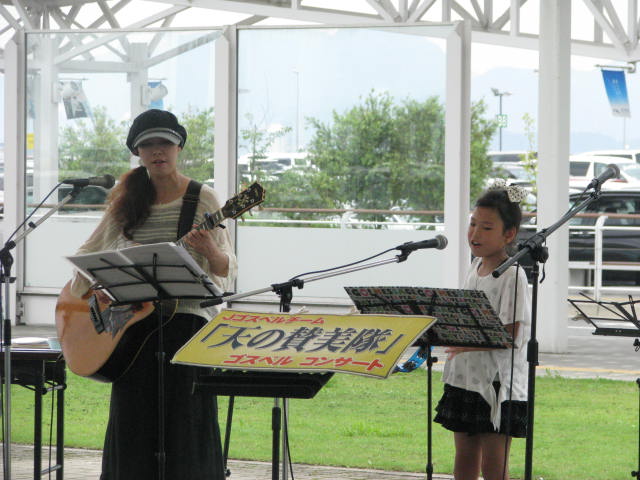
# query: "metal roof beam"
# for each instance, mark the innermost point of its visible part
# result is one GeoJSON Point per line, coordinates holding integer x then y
{"type": "Point", "coordinates": [180, 49]}
{"type": "Point", "coordinates": [418, 9]}
{"type": "Point", "coordinates": [251, 20]}
{"type": "Point", "coordinates": [113, 22]}
{"type": "Point", "coordinates": [632, 23]}
{"type": "Point", "coordinates": [9, 18]}
{"type": "Point", "coordinates": [511, 14]}
{"type": "Point", "coordinates": [302, 13]}
{"type": "Point", "coordinates": [460, 10]}
{"type": "Point", "coordinates": [103, 40]}
{"type": "Point", "coordinates": [385, 9]}
{"type": "Point", "coordinates": [24, 15]}
{"type": "Point", "coordinates": [153, 44]}
{"type": "Point", "coordinates": [618, 37]}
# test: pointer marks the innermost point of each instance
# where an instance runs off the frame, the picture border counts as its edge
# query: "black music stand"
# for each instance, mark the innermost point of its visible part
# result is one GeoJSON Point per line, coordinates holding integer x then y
{"type": "Point", "coordinates": [283, 385]}
{"type": "Point", "coordinates": [147, 273]}
{"type": "Point", "coordinates": [465, 319]}
{"type": "Point", "coordinates": [624, 312]}
{"type": "Point", "coordinates": [274, 385]}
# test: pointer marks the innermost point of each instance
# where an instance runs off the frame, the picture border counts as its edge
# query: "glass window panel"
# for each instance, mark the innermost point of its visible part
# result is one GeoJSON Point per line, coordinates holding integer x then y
{"type": "Point", "coordinates": [82, 91]}
{"type": "Point", "coordinates": [360, 111]}
{"type": "Point", "coordinates": [341, 139]}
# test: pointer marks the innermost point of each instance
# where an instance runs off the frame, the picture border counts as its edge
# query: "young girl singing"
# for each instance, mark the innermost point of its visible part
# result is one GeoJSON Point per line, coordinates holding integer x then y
{"type": "Point", "coordinates": [485, 393]}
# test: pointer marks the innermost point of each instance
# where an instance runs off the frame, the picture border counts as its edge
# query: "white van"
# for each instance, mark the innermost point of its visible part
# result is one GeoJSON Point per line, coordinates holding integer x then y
{"type": "Point", "coordinates": [584, 168]}
{"type": "Point", "coordinates": [275, 163]}
{"type": "Point", "coordinates": [631, 154]}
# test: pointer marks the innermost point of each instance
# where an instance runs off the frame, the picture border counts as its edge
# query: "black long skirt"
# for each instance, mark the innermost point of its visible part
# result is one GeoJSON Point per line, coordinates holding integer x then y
{"type": "Point", "coordinates": [192, 434]}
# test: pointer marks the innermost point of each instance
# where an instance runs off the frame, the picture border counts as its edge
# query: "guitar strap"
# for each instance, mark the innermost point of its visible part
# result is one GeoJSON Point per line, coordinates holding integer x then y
{"type": "Point", "coordinates": [188, 211]}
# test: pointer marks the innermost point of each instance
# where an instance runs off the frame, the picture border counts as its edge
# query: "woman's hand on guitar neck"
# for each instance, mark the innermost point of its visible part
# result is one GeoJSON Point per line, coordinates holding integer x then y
{"type": "Point", "coordinates": [202, 242]}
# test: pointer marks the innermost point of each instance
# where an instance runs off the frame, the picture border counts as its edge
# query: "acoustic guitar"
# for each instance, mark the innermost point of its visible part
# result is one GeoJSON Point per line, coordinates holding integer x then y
{"type": "Point", "coordinates": [102, 354]}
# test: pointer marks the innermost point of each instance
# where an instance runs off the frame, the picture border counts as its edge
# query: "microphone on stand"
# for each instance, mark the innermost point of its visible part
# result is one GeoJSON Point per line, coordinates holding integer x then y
{"type": "Point", "coordinates": [439, 243]}
{"type": "Point", "coordinates": [105, 181]}
{"type": "Point", "coordinates": [612, 171]}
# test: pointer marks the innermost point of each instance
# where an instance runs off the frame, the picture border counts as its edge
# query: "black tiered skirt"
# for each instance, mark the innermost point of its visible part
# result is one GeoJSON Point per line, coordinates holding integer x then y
{"type": "Point", "coordinates": [461, 410]}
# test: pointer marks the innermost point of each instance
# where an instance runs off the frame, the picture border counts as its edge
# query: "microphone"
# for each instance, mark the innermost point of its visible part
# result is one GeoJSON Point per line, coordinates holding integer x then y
{"type": "Point", "coordinates": [105, 181]}
{"type": "Point", "coordinates": [612, 171]}
{"type": "Point", "coordinates": [440, 242]}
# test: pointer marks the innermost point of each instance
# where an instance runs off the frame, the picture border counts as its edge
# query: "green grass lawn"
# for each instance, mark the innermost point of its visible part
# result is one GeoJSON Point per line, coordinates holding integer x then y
{"type": "Point", "coordinates": [585, 429]}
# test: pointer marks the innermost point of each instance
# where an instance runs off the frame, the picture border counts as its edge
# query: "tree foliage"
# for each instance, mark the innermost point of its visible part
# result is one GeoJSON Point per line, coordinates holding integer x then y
{"type": "Point", "coordinates": [482, 130]}
{"type": "Point", "coordinates": [94, 147]}
{"type": "Point", "coordinates": [380, 155]}
{"type": "Point", "coordinates": [258, 142]}
{"type": "Point", "coordinates": [98, 147]}
{"type": "Point", "coordinates": [196, 159]}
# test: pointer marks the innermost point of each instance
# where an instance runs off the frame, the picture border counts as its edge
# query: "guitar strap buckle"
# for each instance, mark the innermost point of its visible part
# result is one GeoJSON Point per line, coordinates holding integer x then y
{"type": "Point", "coordinates": [96, 316]}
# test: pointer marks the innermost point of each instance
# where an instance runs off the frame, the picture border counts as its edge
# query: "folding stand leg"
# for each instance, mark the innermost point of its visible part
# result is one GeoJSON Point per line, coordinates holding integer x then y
{"type": "Point", "coordinates": [276, 424]}
{"type": "Point", "coordinates": [285, 439]}
{"type": "Point", "coordinates": [636, 474]}
{"type": "Point", "coordinates": [227, 436]}
{"type": "Point", "coordinates": [430, 361]}
{"type": "Point", "coordinates": [161, 454]}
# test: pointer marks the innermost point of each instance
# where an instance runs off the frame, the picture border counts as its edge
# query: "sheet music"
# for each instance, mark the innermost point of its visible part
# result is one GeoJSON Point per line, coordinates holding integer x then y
{"type": "Point", "coordinates": [176, 269]}
{"type": "Point", "coordinates": [98, 267]}
{"type": "Point", "coordinates": [465, 317]}
{"type": "Point", "coordinates": [128, 275]}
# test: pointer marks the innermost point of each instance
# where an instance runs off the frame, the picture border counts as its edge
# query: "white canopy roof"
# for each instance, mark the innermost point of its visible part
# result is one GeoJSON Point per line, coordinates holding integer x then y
{"type": "Point", "coordinates": [600, 28]}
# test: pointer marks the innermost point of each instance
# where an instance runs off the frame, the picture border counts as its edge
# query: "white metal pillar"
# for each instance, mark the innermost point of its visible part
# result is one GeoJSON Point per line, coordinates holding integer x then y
{"type": "Point", "coordinates": [14, 154]}
{"type": "Point", "coordinates": [226, 83]}
{"type": "Point", "coordinates": [457, 160]}
{"type": "Point", "coordinates": [553, 168]}
{"type": "Point", "coordinates": [138, 81]}
{"type": "Point", "coordinates": [46, 97]}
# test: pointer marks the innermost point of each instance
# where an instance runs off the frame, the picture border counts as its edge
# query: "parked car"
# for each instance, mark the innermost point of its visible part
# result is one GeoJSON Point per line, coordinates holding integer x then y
{"type": "Point", "coordinates": [584, 168]}
{"type": "Point", "coordinates": [510, 156]}
{"type": "Point", "coordinates": [617, 245]}
{"type": "Point", "coordinates": [89, 195]}
{"type": "Point", "coordinates": [514, 174]}
{"type": "Point", "coordinates": [630, 154]}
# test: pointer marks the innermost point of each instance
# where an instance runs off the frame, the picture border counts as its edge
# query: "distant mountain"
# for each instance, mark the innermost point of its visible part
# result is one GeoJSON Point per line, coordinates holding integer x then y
{"type": "Point", "coordinates": [593, 127]}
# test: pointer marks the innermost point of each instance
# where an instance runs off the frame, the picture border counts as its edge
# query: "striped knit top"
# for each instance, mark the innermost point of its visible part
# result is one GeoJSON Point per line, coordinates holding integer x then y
{"type": "Point", "coordinates": [162, 226]}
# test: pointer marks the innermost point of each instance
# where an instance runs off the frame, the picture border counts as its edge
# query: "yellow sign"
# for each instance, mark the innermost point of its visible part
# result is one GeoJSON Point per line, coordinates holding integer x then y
{"type": "Point", "coordinates": [360, 344]}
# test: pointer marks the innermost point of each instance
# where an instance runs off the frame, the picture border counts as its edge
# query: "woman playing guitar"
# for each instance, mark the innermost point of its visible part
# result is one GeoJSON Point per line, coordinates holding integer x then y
{"type": "Point", "coordinates": [146, 207]}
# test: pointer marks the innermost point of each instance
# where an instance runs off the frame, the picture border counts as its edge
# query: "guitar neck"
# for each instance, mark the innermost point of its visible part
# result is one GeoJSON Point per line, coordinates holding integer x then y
{"type": "Point", "coordinates": [233, 208]}
{"type": "Point", "coordinates": [211, 220]}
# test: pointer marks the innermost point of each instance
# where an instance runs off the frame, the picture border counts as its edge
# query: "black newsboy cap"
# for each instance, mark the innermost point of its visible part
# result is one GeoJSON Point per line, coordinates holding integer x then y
{"type": "Point", "coordinates": [155, 123]}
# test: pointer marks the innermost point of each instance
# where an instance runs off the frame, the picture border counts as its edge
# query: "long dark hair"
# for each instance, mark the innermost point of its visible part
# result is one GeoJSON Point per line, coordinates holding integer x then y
{"type": "Point", "coordinates": [130, 201]}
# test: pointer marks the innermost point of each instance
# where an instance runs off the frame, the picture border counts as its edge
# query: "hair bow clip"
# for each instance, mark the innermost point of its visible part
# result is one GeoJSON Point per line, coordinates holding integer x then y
{"type": "Point", "coordinates": [515, 193]}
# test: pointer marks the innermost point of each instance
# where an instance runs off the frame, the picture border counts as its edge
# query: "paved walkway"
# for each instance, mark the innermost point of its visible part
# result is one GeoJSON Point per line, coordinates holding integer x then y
{"type": "Point", "coordinates": [85, 465]}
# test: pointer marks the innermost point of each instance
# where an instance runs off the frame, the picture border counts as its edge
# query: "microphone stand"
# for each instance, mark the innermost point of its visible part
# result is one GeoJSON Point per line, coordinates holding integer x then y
{"type": "Point", "coordinates": [539, 254]}
{"type": "Point", "coordinates": [6, 262]}
{"type": "Point", "coordinates": [285, 291]}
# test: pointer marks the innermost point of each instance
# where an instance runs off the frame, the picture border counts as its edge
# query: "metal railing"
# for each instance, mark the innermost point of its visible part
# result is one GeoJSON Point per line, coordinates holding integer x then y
{"type": "Point", "coordinates": [593, 270]}
{"type": "Point", "coordinates": [392, 219]}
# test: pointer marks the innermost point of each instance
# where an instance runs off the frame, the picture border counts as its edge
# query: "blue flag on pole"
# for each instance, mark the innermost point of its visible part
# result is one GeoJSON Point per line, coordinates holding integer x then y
{"type": "Point", "coordinates": [616, 86]}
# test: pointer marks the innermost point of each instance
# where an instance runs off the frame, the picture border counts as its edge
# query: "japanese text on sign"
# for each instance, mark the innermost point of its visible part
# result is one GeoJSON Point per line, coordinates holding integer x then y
{"type": "Point", "coordinates": [362, 344]}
